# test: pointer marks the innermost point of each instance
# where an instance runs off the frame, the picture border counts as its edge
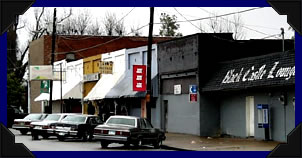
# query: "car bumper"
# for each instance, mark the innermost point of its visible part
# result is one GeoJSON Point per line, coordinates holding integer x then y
{"type": "Point", "coordinates": [111, 138]}
{"type": "Point", "coordinates": [20, 127]}
{"type": "Point", "coordinates": [44, 131]}
{"type": "Point", "coordinates": [66, 133]}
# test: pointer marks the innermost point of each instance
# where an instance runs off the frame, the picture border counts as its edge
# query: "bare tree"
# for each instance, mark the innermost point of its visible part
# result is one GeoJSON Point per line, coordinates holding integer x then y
{"type": "Point", "coordinates": [109, 23]}
{"type": "Point", "coordinates": [223, 24]}
{"type": "Point", "coordinates": [112, 26]}
{"type": "Point", "coordinates": [82, 21]}
{"type": "Point", "coordinates": [135, 30]}
{"type": "Point", "coordinates": [94, 29]}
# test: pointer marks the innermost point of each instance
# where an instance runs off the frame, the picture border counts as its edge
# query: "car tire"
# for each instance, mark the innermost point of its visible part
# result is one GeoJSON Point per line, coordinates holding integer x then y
{"type": "Point", "coordinates": [34, 136]}
{"type": "Point", "coordinates": [61, 138]}
{"type": "Point", "coordinates": [84, 136]}
{"type": "Point", "coordinates": [138, 143]}
{"type": "Point", "coordinates": [23, 132]}
{"type": "Point", "coordinates": [157, 144]}
{"type": "Point", "coordinates": [104, 144]}
{"type": "Point", "coordinates": [45, 136]}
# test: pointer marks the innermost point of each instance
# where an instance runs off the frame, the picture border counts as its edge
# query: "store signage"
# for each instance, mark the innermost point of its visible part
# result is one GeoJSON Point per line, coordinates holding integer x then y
{"type": "Point", "coordinates": [44, 86]}
{"type": "Point", "coordinates": [193, 93]}
{"type": "Point", "coordinates": [40, 72]}
{"type": "Point", "coordinates": [106, 67]}
{"type": "Point", "coordinates": [177, 89]}
{"type": "Point", "coordinates": [91, 77]}
{"type": "Point", "coordinates": [139, 77]}
{"type": "Point", "coordinates": [254, 74]}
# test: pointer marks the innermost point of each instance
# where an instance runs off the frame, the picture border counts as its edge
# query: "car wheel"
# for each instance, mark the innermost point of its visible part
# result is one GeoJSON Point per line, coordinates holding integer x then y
{"type": "Point", "coordinates": [138, 143]}
{"type": "Point", "coordinates": [45, 136]}
{"type": "Point", "coordinates": [23, 132]}
{"type": "Point", "coordinates": [104, 144]}
{"type": "Point", "coordinates": [61, 138]}
{"type": "Point", "coordinates": [34, 136]}
{"type": "Point", "coordinates": [84, 136]}
{"type": "Point", "coordinates": [157, 144]}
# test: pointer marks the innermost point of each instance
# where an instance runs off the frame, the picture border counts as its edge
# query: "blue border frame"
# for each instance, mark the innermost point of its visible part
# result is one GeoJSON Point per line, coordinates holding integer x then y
{"type": "Point", "coordinates": [141, 3]}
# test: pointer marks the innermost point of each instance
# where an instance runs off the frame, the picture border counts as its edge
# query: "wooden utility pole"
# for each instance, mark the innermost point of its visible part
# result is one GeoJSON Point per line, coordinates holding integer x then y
{"type": "Point", "coordinates": [149, 59]}
{"type": "Point", "coordinates": [52, 57]}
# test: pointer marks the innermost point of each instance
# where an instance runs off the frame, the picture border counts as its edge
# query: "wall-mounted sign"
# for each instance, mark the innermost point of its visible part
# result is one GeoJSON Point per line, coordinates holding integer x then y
{"type": "Point", "coordinates": [177, 89]}
{"type": "Point", "coordinates": [40, 72]}
{"type": "Point", "coordinates": [57, 76]}
{"type": "Point", "coordinates": [253, 73]}
{"type": "Point", "coordinates": [139, 77]}
{"type": "Point", "coordinates": [44, 86]}
{"type": "Point", "coordinates": [106, 67]}
{"type": "Point", "coordinates": [91, 77]}
{"type": "Point", "coordinates": [193, 93]}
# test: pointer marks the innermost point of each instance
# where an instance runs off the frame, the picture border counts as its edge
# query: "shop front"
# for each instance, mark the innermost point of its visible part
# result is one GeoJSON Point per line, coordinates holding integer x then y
{"type": "Point", "coordinates": [256, 96]}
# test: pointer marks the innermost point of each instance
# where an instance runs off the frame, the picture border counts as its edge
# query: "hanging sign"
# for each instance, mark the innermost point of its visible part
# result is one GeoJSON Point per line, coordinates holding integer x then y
{"type": "Point", "coordinates": [139, 77]}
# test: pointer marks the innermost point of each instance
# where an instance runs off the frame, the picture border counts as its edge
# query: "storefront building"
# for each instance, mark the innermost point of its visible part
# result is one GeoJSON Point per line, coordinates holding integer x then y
{"type": "Point", "coordinates": [186, 65]}
{"type": "Point", "coordinates": [241, 86]}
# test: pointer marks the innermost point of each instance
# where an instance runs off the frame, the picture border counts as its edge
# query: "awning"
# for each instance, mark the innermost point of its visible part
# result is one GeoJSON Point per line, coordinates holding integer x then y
{"type": "Point", "coordinates": [75, 92]}
{"type": "Point", "coordinates": [42, 97]}
{"type": "Point", "coordinates": [124, 89]}
{"type": "Point", "coordinates": [103, 86]}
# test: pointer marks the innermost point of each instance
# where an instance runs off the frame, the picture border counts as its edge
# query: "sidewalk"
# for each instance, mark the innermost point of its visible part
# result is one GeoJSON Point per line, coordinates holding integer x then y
{"type": "Point", "coordinates": [197, 143]}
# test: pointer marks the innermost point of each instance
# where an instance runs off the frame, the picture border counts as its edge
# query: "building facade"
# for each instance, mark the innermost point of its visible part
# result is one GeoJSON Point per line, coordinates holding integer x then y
{"type": "Point", "coordinates": [186, 65]}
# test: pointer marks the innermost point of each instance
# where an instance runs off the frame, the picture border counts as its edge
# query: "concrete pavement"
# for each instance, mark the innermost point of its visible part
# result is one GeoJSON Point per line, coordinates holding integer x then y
{"type": "Point", "coordinates": [197, 143]}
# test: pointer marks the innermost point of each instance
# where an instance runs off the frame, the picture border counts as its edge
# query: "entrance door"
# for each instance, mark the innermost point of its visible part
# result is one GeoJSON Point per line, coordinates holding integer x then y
{"type": "Point", "coordinates": [165, 120]}
{"type": "Point", "coordinates": [250, 124]}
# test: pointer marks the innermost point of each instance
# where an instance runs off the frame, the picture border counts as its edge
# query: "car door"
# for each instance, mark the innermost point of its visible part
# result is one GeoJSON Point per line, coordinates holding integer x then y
{"type": "Point", "coordinates": [143, 130]}
{"type": "Point", "coordinates": [151, 133]}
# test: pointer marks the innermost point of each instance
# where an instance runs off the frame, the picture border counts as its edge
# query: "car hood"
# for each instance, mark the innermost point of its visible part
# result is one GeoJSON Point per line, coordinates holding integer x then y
{"type": "Point", "coordinates": [112, 126]}
{"type": "Point", "coordinates": [43, 123]}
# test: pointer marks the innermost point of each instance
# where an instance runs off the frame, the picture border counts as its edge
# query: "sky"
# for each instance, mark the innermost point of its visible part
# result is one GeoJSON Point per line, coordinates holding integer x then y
{"type": "Point", "coordinates": [258, 23]}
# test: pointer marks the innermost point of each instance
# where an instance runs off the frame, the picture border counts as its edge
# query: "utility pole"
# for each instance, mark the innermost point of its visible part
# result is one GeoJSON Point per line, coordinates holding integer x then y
{"type": "Point", "coordinates": [149, 59]}
{"type": "Point", "coordinates": [52, 57]}
{"type": "Point", "coordinates": [282, 33]}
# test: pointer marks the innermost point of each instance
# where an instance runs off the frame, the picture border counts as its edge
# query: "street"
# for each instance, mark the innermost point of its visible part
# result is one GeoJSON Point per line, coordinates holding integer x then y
{"type": "Point", "coordinates": [52, 144]}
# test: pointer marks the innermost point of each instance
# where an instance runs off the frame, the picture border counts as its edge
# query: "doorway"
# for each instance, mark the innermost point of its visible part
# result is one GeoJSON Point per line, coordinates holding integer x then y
{"type": "Point", "coordinates": [250, 116]}
{"type": "Point", "coordinates": [165, 118]}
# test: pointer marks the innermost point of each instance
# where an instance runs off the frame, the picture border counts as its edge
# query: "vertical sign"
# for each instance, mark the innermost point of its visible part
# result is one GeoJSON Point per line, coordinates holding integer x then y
{"type": "Point", "coordinates": [139, 77]}
{"type": "Point", "coordinates": [193, 93]}
{"type": "Point", "coordinates": [44, 86]}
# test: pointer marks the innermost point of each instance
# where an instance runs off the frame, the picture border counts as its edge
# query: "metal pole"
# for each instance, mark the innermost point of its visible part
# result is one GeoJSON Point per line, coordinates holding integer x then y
{"type": "Point", "coordinates": [149, 59]}
{"type": "Point", "coordinates": [282, 33]}
{"type": "Point", "coordinates": [61, 87]}
{"type": "Point", "coordinates": [52, 57]}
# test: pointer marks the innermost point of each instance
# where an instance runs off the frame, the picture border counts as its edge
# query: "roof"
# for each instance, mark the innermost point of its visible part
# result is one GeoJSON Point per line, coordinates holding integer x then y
{"type": "Point", "coordinates": [272, 70]}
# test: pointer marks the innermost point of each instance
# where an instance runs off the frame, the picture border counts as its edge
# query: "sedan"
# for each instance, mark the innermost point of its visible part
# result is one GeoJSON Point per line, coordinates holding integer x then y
{"type": "Point", "coordinates": [77, 126]}
{"type": "Point", "coordinates": [23, 125]}
{"type": "Point", "coordinates": [128, 130]}
{"type": "Point", "coordinates": [45, 127]}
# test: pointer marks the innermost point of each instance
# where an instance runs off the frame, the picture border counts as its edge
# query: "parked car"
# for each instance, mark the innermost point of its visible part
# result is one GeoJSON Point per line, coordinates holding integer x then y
{"type": "Point", "coordinates": [77, 126]}
{"type": "Point", "coordinates": [128, 130]}
{"type": "Point", "coordinates": [23, 125]}
{"type": "Point", "coordinates": [45, 127]}
{"type": "Point", "coordinates": [14, 113]}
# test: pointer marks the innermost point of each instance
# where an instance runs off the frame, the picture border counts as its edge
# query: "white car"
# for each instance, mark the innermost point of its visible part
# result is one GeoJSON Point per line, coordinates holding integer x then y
{"type": "Point", "coordinates": [46, 127]}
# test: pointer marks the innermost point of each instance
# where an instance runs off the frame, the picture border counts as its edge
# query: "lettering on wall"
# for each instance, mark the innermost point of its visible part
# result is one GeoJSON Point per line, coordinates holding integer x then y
{"type": "Point", "coordinates": [253, 74]}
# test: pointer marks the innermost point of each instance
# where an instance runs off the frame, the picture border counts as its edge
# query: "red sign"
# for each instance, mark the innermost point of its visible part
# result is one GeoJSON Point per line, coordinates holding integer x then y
{"type": "Point", "coordinates": [139, 77]}
{"type": "Point", "coordinates": [193, 98]}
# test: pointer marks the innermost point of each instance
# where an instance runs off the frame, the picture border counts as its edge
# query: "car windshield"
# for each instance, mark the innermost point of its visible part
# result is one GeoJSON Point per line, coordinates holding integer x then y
{"type": "Point", "coordinates": [52, 118]}
{"type": "Point", "coordinates": [80, 119]}
{"type": "Point", "coordinates": [121, 121]}
{"type": "Point", "coordinates": [33, 117]}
